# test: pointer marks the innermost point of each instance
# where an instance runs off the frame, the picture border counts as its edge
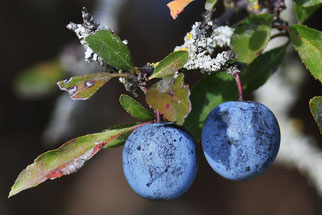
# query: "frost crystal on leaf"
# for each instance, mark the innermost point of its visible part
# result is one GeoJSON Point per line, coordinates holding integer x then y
{"type": "Point", "coordinates": [202, 47]}
{"type": "Point", "coordinates": [84, 30]}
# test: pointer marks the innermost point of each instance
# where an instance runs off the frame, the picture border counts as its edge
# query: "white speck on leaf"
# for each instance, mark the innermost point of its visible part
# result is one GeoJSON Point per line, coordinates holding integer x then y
{"type": "Point", "coordinates": [67, 81]}
{"type": "Point", "coordinates": [89, 84]}
{"type": "Point", "coordinates": [72, 90]}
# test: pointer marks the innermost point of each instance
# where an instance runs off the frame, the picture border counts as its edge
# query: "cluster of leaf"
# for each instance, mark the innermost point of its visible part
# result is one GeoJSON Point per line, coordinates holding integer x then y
{"type": "Point", "coordinates": [170, 96]}
{"type": "Point", "coordinates": [308, 43]}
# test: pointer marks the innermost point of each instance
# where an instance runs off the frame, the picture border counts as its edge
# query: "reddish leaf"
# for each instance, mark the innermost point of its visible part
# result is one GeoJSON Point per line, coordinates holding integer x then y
{"type": "Point", "coordinates": [177, 6]}
{"type": "Point", "coordinates": [68, 158]}
{"type": "Point", "coordinates": [171, 98]}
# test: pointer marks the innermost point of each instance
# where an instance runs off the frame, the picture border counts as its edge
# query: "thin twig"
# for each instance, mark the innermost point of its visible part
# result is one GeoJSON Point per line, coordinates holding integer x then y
{"type": "Point", "coordinates": [281, 27]}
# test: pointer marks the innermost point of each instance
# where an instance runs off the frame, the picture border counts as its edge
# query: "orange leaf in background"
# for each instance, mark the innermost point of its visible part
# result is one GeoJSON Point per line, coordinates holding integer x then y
{"type": "Point", "coordinates": [177, 7]}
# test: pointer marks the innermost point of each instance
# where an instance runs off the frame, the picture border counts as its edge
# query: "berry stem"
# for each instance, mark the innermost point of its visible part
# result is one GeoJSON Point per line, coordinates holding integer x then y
{"type": "Point", "coordinates": [281, 27]}
{"type": "Point", "coordinates": [157, 113]}
{"type": "Point", "coordinates": [239, 85]}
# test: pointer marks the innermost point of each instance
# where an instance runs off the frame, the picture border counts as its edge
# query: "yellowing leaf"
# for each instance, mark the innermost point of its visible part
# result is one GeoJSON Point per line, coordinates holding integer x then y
{"type": "Point", "coordinates": [177, 6]}
{"type": "Point", "coordinates": [170, 97]}
{"type": "Point", "coordinates": [84, 86]}
{"type": "Point", "coordinates": [170, 64]}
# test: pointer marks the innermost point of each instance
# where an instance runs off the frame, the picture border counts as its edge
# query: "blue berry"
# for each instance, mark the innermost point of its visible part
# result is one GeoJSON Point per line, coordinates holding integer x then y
{"type": "Point", "coordinates": [240, 140]}
{"type": "Point", "coordinates": [160, 161]}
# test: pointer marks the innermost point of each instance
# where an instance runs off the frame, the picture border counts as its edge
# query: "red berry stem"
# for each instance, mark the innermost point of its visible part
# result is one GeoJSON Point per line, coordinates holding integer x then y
{"type": "Point", "coordinates": [281, 27]}
{"type": "Point", "coordinates": [239, 85]}
{"type": "Point", "coordinates": [157, 113]}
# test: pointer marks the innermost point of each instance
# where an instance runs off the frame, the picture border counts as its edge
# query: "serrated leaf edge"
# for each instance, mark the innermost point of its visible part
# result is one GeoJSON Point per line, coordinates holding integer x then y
{"type": "Point", "coordinates": [310, 105]}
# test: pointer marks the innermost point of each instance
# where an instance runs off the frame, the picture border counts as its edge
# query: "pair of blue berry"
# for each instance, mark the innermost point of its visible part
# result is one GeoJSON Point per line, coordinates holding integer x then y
{"type": "Point", "coordinates": [240, 140]}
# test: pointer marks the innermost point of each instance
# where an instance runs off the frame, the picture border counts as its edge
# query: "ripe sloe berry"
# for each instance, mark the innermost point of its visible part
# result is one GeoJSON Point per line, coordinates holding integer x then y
{"type": "Point", "coordinates": [240, 140]}
{"type": "Point", "coordinates": [160, 161]}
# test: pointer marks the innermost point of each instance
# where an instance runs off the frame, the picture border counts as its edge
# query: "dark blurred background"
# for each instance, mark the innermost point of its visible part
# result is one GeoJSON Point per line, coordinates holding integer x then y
{"type": "Point", "coordinates": [34, 31]}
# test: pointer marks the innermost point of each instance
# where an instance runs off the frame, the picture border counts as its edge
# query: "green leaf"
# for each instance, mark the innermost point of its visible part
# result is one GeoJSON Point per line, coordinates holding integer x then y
{"type": "Point", "coordinates": [308, 43]}
{"type": "Point", "coordinates": [84, 86]}
{"type": "Point", "coordinates": [39, 80]}
{"type": "Point", "coordinates": [209, 92]}
{"type": "Point", "coordinates": [135, 108]}
{"type": "Point", "coordinates": [303, 13]}
{"type": "Point", "coordinates": [258, 72]}
{"type": "Point", "coordinates": [209, 5]}
{"type": "Point", "coordinates": [111, 49]}
{"type": "Point", "coordinates": [316, 110]}
{"type": "Point", "coordinates": [308, 3]}
{"type": "Point", "coordinates": [68, 158]}
{"type": "Point", "coordinates": [251, 37]}
{"type": "Point", "coordinates": [170, 64]}
{"type": "Point", "coordinates": [171, 98]}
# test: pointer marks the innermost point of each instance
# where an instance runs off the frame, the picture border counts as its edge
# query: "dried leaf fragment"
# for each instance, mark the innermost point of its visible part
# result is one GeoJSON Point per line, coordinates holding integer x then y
{"type": "Point", "coordinates": [177, 6]}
